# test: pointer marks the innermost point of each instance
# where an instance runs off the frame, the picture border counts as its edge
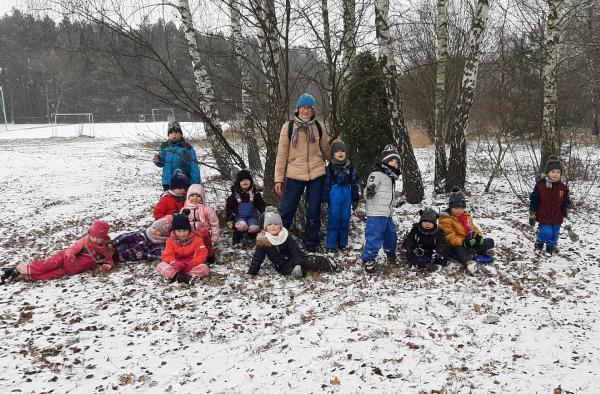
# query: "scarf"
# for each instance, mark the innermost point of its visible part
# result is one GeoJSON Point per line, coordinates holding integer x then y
{"type": "Point", "coordinates": [464, 220]}
{"type": "Point", "coordinates": [306, 125]}
{"type": "Point", "coordinates": [389, 171]}
{"type": "Point", "coordinates": [177, 197]}
{"type": "Point", "coordinates": [155, 239]}
{"type": "Point", "coordinates": [197, 212]}
{"type": "Point", "coordinates": [549, 182]}
{"type": "Point", "coordinates": [278, 239]}
{"type": "Point", "coordinates": [344, 163]}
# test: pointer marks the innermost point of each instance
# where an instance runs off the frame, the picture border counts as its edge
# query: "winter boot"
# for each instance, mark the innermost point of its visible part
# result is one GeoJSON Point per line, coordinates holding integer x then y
{"type": "Point", "coordinates": [211, 259]}
{"type": "Point", "coordinates": [488, 269]}
{"type": "Point", "coordinates": [183, 277]}
{"type": "Point", "coordinates": [429, 267]}
{"type": "Point", "coordinates": [471, 266]}
{"type": "Point", "coordinates": [194, 280]}
{"type": "Point", "coordinates": [391, 258]}
{"type": "Point", "coordinates": [550, 250]}
{"type": "Point", "coordinates": [8, 274]}
{"type": "Point", "coordinates": [538, 246]}
{"type": "Point", "coordinates": [369, 266]}
{"type": "Point", "coordinates": [237, 237]}
{"type": "Point", "coordinates": [297, 272]}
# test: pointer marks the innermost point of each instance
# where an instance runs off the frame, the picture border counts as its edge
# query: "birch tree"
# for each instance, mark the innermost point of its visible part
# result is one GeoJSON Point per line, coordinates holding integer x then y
{"type": "Point", "coordinates": [411, 178]}
{"type": "Point", "coordinates": [206, 99]}
{"type": "Point", "coordinates": [246, 87]}
{"type": "Point", "coordinates": [348, 38]}
{"type": "Point", "coordinates": [457, 163]}
{"type": "Point", "coordinates": [550, 144]}
{"type": "Point", "coordinates": [440, 88]}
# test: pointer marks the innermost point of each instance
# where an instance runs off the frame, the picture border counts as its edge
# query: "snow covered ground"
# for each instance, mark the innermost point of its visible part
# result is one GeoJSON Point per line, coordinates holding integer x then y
{"type": "Point", "coordinates": [534, 328]}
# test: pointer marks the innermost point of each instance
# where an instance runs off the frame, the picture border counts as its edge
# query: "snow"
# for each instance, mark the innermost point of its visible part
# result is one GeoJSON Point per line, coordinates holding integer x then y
{"type": "Point", "coordinates": [533, 328]}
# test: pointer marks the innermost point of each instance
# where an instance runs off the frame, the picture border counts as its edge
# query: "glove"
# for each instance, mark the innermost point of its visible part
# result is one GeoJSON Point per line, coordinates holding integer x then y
{"type": "Point", "coordinates": [479, 240]}
{"type": "Point", "coordinates": [370, 191]}
{"type": "Point", "coordinates": [532, 218]}
{"type": "Point", "coordinates": [230, 225]}
{"type": "Point", "coordinates": [106, 267]}
{"type": "Point", "coordinates": [139, 254]}
{"type": "Point", "coordinates": [178, 265]}
{"type": "Point", "coordinates": [469, 242]}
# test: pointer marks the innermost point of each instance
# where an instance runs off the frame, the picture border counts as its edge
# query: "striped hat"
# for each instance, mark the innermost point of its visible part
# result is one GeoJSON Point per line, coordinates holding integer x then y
{"type": "Point", "coordinates": [389, 153]}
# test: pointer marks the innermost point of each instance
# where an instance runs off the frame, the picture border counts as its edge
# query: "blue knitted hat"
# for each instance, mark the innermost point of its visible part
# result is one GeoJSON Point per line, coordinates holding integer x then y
{"type": "Point", "coordinates": [179, 180]}
{"type": "Point", "coordinates": [306, 99]}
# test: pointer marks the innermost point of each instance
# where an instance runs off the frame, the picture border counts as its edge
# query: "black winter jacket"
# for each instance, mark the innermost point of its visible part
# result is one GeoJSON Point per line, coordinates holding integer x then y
{"type": "Point", "coordinates": [281, 256]}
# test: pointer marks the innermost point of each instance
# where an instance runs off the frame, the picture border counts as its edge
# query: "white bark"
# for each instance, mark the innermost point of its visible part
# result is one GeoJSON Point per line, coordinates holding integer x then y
{"type": "Point", "coordinates": [440, 88]}
{"type": "Point", "coordinates": [457, 164]}
{"type": "Point", "coordinates": [247, 124]}
{"type": "Point", "coordinates": [348, 37]}
{"type": "Point", "coordinates": [206, 100]}
{"type": "Point", "coordinates": [412, 182]}
{"type": "Point", "coordinates": [550, 138]}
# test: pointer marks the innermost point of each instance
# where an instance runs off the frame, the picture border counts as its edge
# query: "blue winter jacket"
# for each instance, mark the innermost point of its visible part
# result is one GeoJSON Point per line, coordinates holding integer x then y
{"type": "Point", "coordinates": [343, 175]}
{"type": "Point", "coordinates": [178, 155]}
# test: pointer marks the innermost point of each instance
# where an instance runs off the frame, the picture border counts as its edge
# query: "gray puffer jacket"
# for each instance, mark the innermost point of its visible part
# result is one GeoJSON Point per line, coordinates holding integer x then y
{"type": "Point", "coordinates": [380, 191]}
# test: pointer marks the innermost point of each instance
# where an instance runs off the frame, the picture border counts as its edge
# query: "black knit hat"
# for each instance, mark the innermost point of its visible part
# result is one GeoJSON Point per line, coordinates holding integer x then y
{"type": "Point", "coordinates": [174, 127]}
{"type": "Point", "coordinates": [338, 146]}
{"type": "Point", "coordinates": [179, 180]}
{"type": "Point", "coordinates": [181, 222]}
{"type": "Point", "coordinates": [457, 199]}
{"type": "Point", "coordinates": [243, 174]}
{"type": "Point", "coordinates": [428, 215]}
{"type": "Point", "coordinates": [553, 163]}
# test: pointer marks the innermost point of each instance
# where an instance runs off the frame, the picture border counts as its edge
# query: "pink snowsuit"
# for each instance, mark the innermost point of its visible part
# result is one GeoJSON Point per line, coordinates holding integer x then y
{"type": "Point", "coordinates": [80, 257]}
{"type": "Point", "coordinates": [203, 219]}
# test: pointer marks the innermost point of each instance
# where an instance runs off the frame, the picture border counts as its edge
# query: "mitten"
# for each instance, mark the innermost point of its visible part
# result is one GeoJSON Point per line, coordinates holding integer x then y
{"type": "Point", "coordinates": [139, 254]}
{"type": "Point", "coordinates": [370, 191]}
{"type": "Point", "coordinates": [469, 242]}
{"type": "Point", "coordinates": [230, 225]}
{"type": "Point", "coordinates": [479, 240]}
{"type": "Point", "coordinates": [532, 218]}
{"type": "Point", "coordinates": [178, 265]}
{"type": "Point", "coordinates": [106, 267]}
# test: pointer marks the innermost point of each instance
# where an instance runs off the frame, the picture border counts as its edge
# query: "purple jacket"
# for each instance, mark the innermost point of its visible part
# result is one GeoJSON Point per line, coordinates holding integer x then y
{"type": "Point", "coordinates": [135, 246]}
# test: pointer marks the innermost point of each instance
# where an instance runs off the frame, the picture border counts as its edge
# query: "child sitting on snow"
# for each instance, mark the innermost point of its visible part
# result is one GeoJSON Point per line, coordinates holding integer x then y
{"type": "Point", "coordinates": [144, 244]}
{"type": "Point", "coordinates": [243, 207]}
{"type": "Point", "coordinates": [203, 219]}
{"type": "Point", "coordinates": [463, 237]}
{"type": "Point", "coordinates": [425, 244]}
{"type": "Point", "coordinates": [89, 251]}
{"type": "Point", "coordinates": [340, 192]}
{"type": "Point", "coordinates": [549, 205]}
{"type": "Point", "coordinates": [172, 200]}
{"type": "Point", "coordinates": [283, 251]}
{"type": "Point", "coordinates": [380, 194]}
{"type": "Point", "coordinates": [184, 257]}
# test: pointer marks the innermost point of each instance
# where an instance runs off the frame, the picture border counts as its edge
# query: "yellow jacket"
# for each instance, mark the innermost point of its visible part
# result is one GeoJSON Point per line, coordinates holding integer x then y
{"type": "Point", "coordinates": [453, 229]}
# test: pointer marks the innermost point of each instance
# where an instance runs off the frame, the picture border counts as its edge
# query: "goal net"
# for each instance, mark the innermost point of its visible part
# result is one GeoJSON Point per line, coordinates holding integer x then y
{"type": "Point", "coordinates": [163, 115]}
{"type": "Point", "coordinates": [83, 123]}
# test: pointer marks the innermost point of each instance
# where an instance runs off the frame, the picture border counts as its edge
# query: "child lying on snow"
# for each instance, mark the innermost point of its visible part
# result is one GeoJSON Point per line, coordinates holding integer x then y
{"type": "Point", "coordinates": [172, 200]}
{"type": "Point", "coordinates": [203, 219]}
{"type": "Point", "coordinates": [184, 257]}
{"type": "Point", "coordinates": [425, 244]}
{"type": "Point", "coordinates": [464, 238]}
{"type": "Point", "coordinates": [283, 251]}
{"type": "Point", "coordinates": [143, 244]}
{"type": "Point", "coordinates": [91, 250]}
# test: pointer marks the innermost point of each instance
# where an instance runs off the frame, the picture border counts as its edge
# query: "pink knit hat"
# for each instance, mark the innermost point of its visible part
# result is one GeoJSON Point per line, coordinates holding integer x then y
{"type": "Point", "coordinates": [99, 229]}
{"type": "Point", "coordinates": [163, 225]}
{"type": "Point", "coordinates": [198, 189]}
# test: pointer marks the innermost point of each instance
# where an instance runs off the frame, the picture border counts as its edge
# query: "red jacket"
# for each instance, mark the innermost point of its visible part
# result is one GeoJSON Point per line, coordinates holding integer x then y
{"type": "Point", "coordinates": [84, 246]}
{"type": "Point", "coordinates": [168, 205]}
{"type": "Point", "coordinates": [195, 251]}
{"type": "Point", "coordinates": [549, 204]}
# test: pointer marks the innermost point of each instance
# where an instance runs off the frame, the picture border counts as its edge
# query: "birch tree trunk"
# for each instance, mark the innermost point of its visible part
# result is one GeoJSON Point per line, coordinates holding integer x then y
{"type": "Point", "coordinates": [411, 176]}
{"type": "Point", "coordinates": [348, 38]}
{"type": "Point", "coordinates": [550, 137]}
{"type": "Point", "coordinates": [248, 130]}
{"type": "Point", "coordinates": [457, 163]}
{"type": "Point", "coordinates": [206, 100]}
{"type": "Point", "coordinates": [439, 181]}
{"type": "Point", "coordinates": [331, 88]}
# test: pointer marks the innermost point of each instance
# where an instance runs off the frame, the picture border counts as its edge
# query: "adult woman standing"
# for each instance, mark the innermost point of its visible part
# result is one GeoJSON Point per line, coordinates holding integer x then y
{"type": "Point", "coordinates": [300, 163]}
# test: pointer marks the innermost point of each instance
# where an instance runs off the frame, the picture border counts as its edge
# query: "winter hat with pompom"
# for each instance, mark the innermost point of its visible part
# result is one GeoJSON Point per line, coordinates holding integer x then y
{"type": "Point", "coordinates": [272, 217]}
{"type": "Point", "coordinates": [181, 222]}
{"type": "Point", "coordinates": [553, 163]}
{"type": "Point", "coordinates": [174, 127]}
{"type": "Point", "coordinates": [457, 199]}
{"type": "Point", "coordinates": [306, 100]}
{"type": "Point", "coordinates": [99, 229]}
{"type": "Point", "coordinates": [338, 146]}
{"type": "Point", "coordinates": [179, 180]}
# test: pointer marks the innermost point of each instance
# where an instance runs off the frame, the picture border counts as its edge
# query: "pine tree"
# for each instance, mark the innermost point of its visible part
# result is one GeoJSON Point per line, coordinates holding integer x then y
{"type": "Point", "coordinates": [366, 127]}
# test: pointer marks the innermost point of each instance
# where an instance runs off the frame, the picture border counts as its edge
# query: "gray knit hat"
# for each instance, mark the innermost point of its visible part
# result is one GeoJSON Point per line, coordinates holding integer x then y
{"type": "Point", "coordinates": [457, 199]}
{"type": "Point", "coordinates": [553, 163]}
{"type": "Point", "coordinates": [338, 146]}
{"type": "Point", "coordinates": [428, 215]}
{"type": "Point", "coordinates": [272, 217]}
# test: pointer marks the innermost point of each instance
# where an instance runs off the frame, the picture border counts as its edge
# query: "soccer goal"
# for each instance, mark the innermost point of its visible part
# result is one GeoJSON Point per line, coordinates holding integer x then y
{"type": "Point", "coordinates": [83, 121]}
{"type": "Point", "coordinates": [163, 114]}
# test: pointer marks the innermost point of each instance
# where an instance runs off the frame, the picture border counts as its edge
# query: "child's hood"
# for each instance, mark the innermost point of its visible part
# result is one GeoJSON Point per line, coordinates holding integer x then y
{"type": "Point", "coordinates": [198, 189]}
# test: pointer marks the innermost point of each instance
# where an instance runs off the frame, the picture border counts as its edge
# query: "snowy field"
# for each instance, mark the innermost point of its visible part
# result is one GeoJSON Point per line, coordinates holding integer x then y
{"type": "Point", "coordinates": [533, 328]}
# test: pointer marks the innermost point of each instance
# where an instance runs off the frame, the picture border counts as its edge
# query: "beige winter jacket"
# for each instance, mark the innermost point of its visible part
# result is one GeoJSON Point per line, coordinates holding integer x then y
{"type": "Point", "coordinates": [304, 162]}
